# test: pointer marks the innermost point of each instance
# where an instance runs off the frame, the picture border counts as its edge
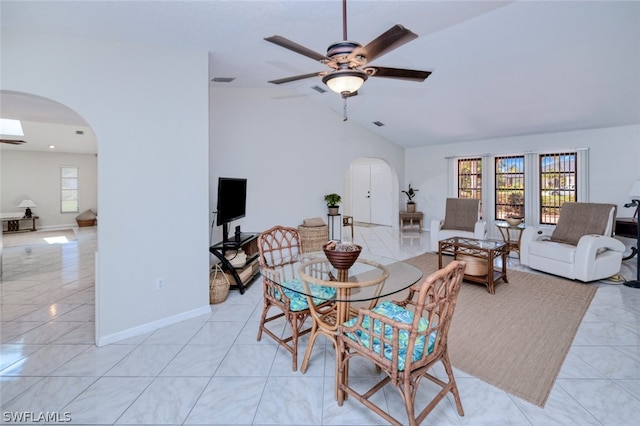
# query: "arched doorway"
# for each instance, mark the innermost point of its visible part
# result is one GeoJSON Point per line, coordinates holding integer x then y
{"type": "Point", "coordinates": [373, 191]}
{"type": "Point", "coordinates": [46, 122]}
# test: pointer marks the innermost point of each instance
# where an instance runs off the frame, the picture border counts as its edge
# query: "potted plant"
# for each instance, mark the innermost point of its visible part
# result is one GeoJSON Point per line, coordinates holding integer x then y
{"type": "Point", "coordinates": [332, 201]}
{"type": "Point", "coordinates": [410, 193]}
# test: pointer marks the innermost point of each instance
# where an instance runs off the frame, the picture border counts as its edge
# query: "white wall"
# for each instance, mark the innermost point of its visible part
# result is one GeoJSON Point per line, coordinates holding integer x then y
{"type": "Point", "coordinates": [148, 107]}
{"type": "Point", "coordinates": [614, 155]}
{"type": "Point", "coordinates": [36, 175]}
{"type": "Point", "coordinates": [292, 152]}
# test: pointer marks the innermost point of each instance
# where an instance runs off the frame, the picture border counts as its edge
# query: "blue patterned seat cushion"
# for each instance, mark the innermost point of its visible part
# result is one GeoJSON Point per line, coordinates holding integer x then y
{"type": "Point", "coordinates": [397, 313]}
{"type": "Point", "coordinates": [298, 301]}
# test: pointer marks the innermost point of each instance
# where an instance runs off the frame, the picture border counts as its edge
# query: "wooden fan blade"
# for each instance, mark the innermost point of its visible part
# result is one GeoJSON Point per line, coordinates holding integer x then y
{"type": "Point", "coordinates": [295, 78]}
{"type": "Point", "coordinates": [391, 39]}
{"type": "Point", "coordinates": [399, 73]}
{"type": "Point", "coordinates": [298, 48]}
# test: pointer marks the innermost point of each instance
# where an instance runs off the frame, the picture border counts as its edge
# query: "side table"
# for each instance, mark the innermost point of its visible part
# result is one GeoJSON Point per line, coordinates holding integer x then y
{"type": "Point", "coordinates": [412, 218]}
{"type": "Point", "coordinates": [511, 235]}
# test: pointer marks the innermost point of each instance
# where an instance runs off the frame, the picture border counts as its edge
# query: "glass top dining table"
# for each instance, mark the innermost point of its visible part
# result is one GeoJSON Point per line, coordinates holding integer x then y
{"type": "Point", "coordinates": [370, 278]}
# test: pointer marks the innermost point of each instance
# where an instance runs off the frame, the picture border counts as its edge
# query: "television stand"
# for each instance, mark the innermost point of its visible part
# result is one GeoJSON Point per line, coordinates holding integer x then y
{"type": "Point", "coordinates": [248, 242]}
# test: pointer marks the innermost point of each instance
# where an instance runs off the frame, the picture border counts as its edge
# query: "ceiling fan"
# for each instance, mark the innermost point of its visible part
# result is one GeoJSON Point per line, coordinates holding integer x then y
{"type": "Point", "coordinates": [349, 61]}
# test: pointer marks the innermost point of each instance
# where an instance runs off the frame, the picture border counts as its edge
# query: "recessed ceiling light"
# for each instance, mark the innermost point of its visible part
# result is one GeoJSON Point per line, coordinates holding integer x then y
{"type": "Point", "coordinates": [51, 146]}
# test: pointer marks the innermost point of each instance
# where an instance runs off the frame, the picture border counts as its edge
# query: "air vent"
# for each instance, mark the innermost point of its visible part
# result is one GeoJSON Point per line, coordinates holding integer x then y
{"type": "Point", "coordinates": [223, 79]}
{"type": "Point", "coordinates": [318, 89]}
{"type": "Point", "coordinates": [12, 141]}
{"type": "Point", "coordinates": [378, 123]}
{"type": "Point", "coordinates": [79, 132]}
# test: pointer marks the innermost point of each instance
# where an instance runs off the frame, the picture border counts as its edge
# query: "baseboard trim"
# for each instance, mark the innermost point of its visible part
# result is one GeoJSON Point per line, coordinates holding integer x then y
{"type": "Point", "coordinates": [151, 326]}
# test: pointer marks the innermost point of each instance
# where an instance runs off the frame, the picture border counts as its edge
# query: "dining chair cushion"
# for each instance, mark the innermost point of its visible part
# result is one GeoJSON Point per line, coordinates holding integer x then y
{"type": "Point", "coordinates": [294, 290]}
{"type": "Point", "coordinates": [396, 313]}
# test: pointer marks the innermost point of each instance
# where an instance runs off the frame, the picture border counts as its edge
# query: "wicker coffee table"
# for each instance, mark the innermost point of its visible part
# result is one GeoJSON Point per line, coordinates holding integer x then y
{"type": "Point", "coordinates": [479, 253]}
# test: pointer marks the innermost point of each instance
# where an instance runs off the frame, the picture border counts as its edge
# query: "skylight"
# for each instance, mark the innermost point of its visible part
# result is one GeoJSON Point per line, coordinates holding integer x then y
{"type": "Point", "coordinates": [10, 127]}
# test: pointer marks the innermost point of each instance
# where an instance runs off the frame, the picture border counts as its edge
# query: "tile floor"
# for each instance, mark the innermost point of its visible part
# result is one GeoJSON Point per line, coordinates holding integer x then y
{"type": "Point", "coordinates": [211, 370]}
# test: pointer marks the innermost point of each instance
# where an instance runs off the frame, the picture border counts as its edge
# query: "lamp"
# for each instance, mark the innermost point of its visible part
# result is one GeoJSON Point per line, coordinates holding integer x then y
{"type": "Point", "coordinates": [27, 204]}
{"type": "Point", "coordinates": [345, 81]}
{"type": "Point", "coordinates": [634, 193]}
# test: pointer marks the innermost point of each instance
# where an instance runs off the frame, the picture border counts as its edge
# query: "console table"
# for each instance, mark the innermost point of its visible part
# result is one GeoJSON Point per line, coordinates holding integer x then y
{"type": "Point", "coordinates": [627, 227]}
{"type": "Point", "coordinates": [13, 223]}
{"type": "Point", "coordinates": [249, 244]}
{"type": "Point", "coordinates": [412, 218]}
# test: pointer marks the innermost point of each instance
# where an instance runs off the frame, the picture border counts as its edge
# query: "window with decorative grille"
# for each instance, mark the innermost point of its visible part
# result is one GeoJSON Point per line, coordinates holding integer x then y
{"type": "Point", "coordinates": [509, 186]}
{"type": "Point", "coordinates": [557, 184]}
{"type": "Point", "coordinates": [470, 178]}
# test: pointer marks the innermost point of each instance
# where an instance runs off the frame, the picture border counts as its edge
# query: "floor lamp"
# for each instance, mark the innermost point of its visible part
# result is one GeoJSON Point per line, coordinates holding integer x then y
{"type": "Point", "coordinates": [635, 202]}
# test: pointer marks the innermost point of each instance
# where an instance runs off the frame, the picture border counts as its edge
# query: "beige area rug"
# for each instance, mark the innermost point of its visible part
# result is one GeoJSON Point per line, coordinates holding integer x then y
{"type": "Point", "coordinates": [60, 236]}
{"type": "Point", "coordinates": [516, 339]}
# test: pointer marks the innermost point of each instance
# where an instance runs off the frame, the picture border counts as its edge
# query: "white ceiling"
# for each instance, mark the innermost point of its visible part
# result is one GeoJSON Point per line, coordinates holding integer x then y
{"type": "Point", "coordinates": [499, 68]}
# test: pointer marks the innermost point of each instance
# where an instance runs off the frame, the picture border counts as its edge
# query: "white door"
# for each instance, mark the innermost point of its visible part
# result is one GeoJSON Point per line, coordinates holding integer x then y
{"type": "Point", "coordinates": [371, 186]}
{"type": "Point", "coordinates": [361, 193]}
{"type": "Point", "coordinates": [381, 194]}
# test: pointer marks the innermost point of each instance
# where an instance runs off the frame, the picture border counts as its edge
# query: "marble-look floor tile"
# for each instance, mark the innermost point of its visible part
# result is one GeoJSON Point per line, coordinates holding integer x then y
{"type": "Point", "coordinates": [605, 400]}
{"type": "Point", "coordinates": [49, 394]}
{"type": "Point", "coordinates": [106, 399]}
{"type": "Point", "coordinates": [145, 360]}
{"type": "Point", "coordinates": [168, 400]}
{"type": "Point", "coordinates": [228, 401]}
{"type": "Point", "coordinates": [292, 401]}
{"type": "Point", "coordinates": [247, 360]}
{"type": "Point", "coordinates": [94, 361]}
{"type": "Point", "coordinates": [43, 361]}
{"type": "Point", "coordinates": [196, 360]}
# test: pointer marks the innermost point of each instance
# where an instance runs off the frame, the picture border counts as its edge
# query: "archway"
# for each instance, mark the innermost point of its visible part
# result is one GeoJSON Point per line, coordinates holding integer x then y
{"type": "Point", "coordinates": [33, 168]}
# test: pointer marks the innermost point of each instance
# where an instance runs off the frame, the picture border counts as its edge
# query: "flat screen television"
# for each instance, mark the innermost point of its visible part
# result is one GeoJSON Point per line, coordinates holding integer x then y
{"type": "Point", "coordinates": [232, 202]}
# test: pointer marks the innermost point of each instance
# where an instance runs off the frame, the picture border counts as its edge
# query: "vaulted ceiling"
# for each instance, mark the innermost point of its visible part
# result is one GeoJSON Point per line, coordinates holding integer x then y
{"type": "Point", "coordinates": [499, 68]}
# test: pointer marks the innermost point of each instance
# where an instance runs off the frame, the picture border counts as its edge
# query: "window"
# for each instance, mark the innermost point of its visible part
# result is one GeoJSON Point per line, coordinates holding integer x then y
{"type": "Point", "coordinates": [509, 187]}
{"type": "Point", "coordinates": [470, 178]}
{"type": "Point", "coordinates": [68, 189]}
{"type": "Point", "coordinates": [557, 184]}
{"type": "Point", "coordinates": [533, 185]}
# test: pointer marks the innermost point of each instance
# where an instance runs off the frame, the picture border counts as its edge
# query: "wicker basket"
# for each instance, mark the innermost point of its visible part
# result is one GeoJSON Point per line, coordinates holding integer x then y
{"type": "Point", "coordinates": [313, 237]}
{"type": "Point", "coordinates": [475, 266]}
{"type": "Point", "coordinates": [87, 222]}
{"type": "Point", "coordinates": [218, 285]}
{"type": "Point", "coordinates": [342, 259]}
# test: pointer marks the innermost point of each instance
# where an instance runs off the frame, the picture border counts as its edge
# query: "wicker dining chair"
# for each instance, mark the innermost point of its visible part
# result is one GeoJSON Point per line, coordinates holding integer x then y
{"type": "Point", "coordinates": [280, 248]}
{"type": "Point", "coordinates": [404, 340]}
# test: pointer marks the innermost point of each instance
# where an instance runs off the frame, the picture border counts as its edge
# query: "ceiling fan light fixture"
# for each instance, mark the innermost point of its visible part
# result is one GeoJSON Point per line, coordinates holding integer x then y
{"type": "Point", "coordinates": [342, 81]}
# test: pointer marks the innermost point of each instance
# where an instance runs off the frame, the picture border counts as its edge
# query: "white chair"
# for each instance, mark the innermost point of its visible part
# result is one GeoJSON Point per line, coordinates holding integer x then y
{"type": "Point", "coordinates": [581, 246]}
{"type": "Point", "coordinates": [461, 219]}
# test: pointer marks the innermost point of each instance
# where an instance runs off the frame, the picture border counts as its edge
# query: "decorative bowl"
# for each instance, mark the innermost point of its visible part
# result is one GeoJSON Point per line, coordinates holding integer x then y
{"type": "Point", "coordinates": [342, 259]}
{"type": "Point", "coordinates": [514, 221]}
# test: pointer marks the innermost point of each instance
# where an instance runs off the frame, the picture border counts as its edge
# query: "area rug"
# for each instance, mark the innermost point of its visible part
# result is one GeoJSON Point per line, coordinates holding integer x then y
{"type": "Point", "coordinates": [516, 339]}
{"type": "Point", "coordinates": [60, 236]}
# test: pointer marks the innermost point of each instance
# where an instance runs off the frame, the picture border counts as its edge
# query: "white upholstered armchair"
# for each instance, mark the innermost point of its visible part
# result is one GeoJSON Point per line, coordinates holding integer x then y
{"type": "Point", "coordinates": [461, 219]}
{"type": "Point", "coordinates": [581, 246]}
